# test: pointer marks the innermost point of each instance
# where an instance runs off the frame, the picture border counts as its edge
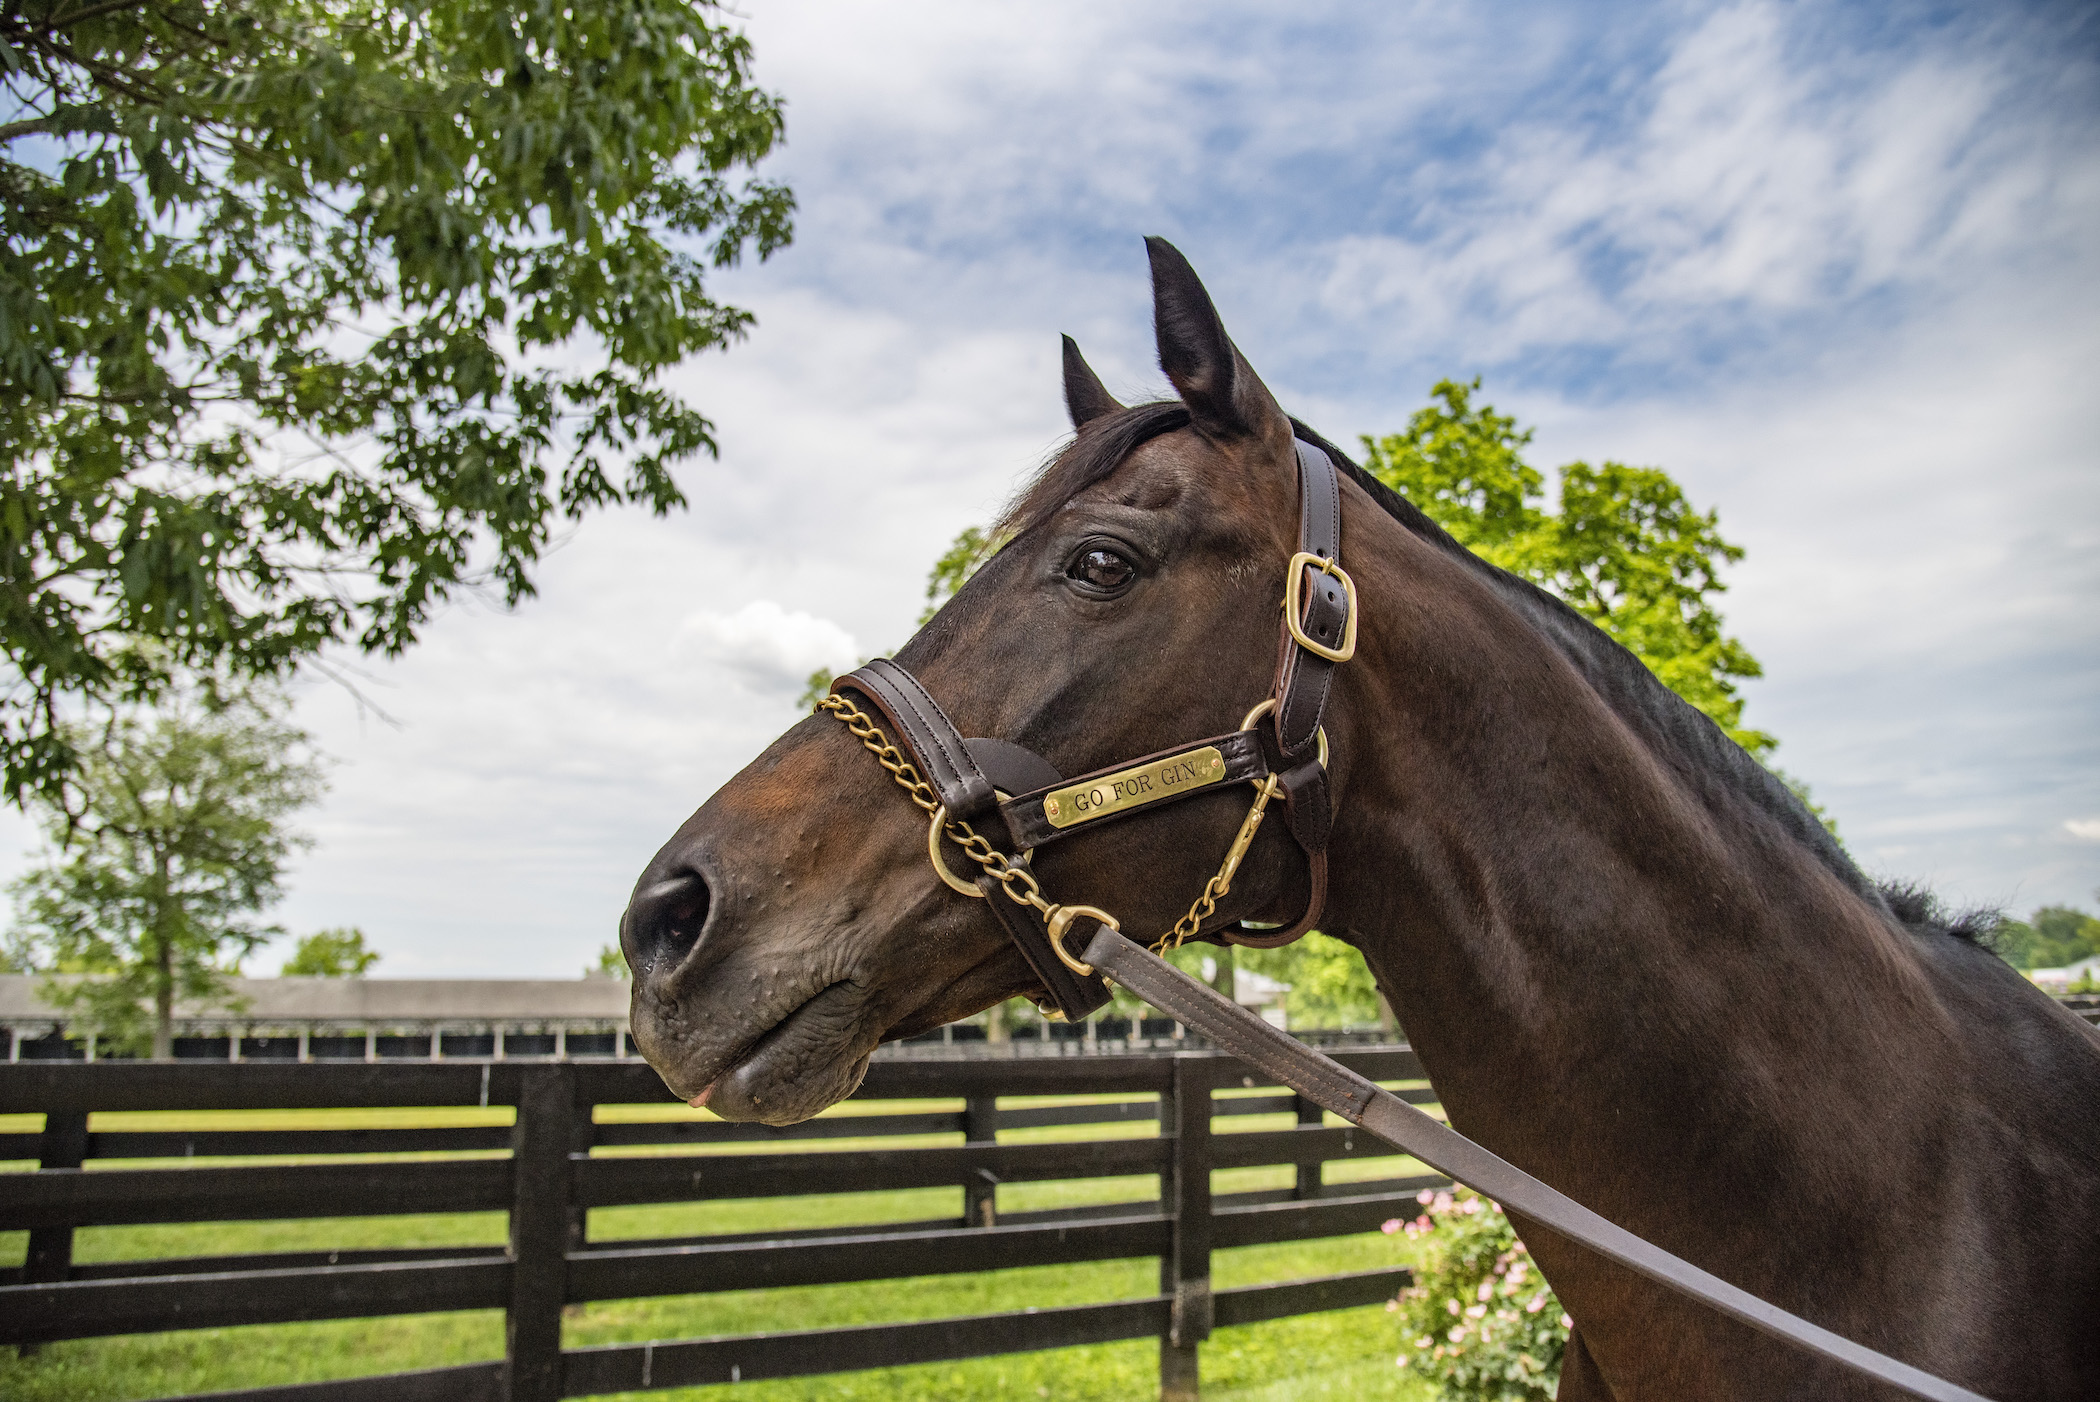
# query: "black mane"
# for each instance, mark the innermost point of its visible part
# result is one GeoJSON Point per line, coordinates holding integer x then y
{"type": "Point", "coordinates": [1685, 735]}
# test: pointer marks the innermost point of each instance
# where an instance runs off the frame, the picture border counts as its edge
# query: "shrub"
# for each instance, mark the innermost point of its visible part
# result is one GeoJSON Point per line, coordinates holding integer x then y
{"type": "Point", "coordinates": [1480, 1318]}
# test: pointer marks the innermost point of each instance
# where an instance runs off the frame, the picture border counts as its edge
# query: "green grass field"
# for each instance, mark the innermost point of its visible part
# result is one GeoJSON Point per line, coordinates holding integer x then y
{"type": "Point", "coordinates": [1346, 1354]}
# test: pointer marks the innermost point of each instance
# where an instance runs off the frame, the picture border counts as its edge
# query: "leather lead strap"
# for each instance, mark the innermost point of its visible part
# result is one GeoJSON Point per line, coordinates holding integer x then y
{"type": "Point", "coordinates": [1337, 1088]}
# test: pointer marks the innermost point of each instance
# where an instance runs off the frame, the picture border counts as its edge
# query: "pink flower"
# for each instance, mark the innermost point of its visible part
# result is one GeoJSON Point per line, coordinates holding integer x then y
{"type": "Point", "coordinates": [1392, 1224]}
{"type": "Point", "coordinates": [1441, 1204]}
{"type": "Point", "coordinates": [1451, 1305]}
{"type": "Point", "coordinates": [1486, 1290]}
{"type": "Point", "coordinates": [1567, 1322]}
{"type": "Point", "coordinates": [1475, 1311]}
{"type": "Point", "coordinates": [1538, 1302]}
{"type": "Point", "coordinates": [1425, 1197]}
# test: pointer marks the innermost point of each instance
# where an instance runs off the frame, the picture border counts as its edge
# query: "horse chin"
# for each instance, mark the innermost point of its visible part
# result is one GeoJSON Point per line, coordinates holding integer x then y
{"type": "Point", "coordinates": [806, 1062]}
{"type": "Point", "coordinates": [776, 1093]}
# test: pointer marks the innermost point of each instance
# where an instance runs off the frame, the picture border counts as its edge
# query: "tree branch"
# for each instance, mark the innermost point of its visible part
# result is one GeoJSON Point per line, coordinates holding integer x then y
{"type": "Point", "coordinates": [92, 12]}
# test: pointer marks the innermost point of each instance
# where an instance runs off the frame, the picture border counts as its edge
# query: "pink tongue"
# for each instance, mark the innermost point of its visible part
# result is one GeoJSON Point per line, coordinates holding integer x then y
{"type": "Point", "coordinates": [699, 1102]}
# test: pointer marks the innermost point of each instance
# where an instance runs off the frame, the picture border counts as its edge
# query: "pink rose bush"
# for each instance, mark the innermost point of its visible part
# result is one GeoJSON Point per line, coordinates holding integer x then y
{"type": "Point", "coordinates": [1479, 1318]}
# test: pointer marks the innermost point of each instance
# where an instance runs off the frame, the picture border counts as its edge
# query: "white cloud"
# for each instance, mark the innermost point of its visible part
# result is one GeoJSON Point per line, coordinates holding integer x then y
{"type": "Point", "coordinates": [774, 647]}
{"type": "Point", "coordinates": [1760, 178]}
{"type": "Point", "coordinates": [2086, 829]}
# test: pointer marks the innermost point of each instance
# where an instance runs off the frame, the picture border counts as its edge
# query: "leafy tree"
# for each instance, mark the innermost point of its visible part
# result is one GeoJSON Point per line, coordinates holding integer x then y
{"type": "Point", "coordinates": [330, 954]}
{"type": "Point", "coordinates": [1331, 986]}
{"type": "Point", "coordinates": [2051, 938]}
{"type": "Point", "coordinates": [311, 314]}
{"type": "Point", "coordinates": [153, 897]}
{"type": "Point", "coordinates": [1625, 548]}
{"type": "Point", "coordinates": [963, 557]}
{"type": "Point", "coordinates": [610, 964]}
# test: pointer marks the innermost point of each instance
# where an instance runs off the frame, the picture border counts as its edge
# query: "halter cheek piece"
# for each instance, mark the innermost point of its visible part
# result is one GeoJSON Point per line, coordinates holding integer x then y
{"type": "Point", "coordinates": [1280, 748]}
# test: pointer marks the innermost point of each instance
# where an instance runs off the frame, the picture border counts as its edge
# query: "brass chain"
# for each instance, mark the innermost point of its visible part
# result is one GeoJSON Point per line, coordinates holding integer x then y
{"type": "Point", "coordinates": [1187, 927]}
{"type": "Point", "coordinates": [1012, 878]}
{"type": "Point", "coordinates": [1018, 883]}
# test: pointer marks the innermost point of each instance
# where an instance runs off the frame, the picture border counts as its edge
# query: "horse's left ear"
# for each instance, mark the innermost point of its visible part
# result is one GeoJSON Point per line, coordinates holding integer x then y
{"type": "Point", "coordinates": [1225, 398]}
{"type": "Point", "coordinates": [1086, 398]}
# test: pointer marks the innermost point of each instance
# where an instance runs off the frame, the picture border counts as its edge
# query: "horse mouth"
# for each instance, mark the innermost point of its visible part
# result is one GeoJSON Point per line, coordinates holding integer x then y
{"type": "Point", "coordinates": [805, 1062]}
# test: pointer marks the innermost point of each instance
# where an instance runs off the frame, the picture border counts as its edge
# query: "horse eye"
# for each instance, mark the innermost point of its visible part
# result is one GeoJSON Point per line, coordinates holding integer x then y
{"type": "Point", "coordinates": [1103, 570]}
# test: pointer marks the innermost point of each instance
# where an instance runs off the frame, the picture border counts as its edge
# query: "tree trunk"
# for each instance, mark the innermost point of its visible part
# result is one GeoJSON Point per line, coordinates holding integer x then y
{"type": "Point", "coordinates": [1226, 979]}
{"type": "Point", "coordinates": [995, 1023]}
{"type": "Point", "coordinates": [163, 1002]}
{"type": "Point", "coordinates": [163, 964]}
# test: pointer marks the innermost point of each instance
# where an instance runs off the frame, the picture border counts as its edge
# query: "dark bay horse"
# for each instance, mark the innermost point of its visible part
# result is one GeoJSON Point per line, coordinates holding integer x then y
{"type": "Point", "coordinates": [1631, 961]}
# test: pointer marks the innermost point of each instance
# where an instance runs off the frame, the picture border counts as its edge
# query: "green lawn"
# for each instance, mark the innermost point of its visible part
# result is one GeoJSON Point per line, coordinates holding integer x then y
{"type": "Point", "coordinates": [1346, 1354]}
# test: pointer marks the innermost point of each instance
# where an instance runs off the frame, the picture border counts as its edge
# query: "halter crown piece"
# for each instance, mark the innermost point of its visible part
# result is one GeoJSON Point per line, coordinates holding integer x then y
{"type": "Point", "coordinates": [1280, 748]}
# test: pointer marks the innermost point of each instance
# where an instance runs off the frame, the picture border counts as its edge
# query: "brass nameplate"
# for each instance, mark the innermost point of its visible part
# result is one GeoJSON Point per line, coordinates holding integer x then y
{"type": "Point", "coordinates": [1132, 788]}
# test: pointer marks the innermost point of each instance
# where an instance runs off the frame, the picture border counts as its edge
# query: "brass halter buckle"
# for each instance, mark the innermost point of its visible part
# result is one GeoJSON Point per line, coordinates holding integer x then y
{"type": "Point", "coordinates": [1294, 605]}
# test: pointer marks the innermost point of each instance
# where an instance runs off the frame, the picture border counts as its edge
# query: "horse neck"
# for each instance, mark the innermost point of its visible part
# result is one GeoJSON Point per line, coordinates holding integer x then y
{"type": "Point", "coordinates": [1573, 893]}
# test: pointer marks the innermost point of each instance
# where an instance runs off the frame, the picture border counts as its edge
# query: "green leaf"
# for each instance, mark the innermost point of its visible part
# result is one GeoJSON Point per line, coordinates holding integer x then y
{"type": "Point", "coordinates": [1625, 548]}
{"type": "Point", "coordinates": [276, 322]}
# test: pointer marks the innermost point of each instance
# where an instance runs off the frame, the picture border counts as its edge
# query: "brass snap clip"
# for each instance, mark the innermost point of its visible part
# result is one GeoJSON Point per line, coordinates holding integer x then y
{"type": "Point", "coordinates": [1060, 920]}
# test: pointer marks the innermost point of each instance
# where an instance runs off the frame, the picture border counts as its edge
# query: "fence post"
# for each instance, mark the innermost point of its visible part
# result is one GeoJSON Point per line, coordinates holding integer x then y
{"type": "Point", "coordinates": [981, 1190]}
{"type": "Point", "coordinates": [541, 1225]}
{"type": "Point", "coordinates": [50, 1257]}
{"type": "Point", "coordinates": [1308, 1186]}
{"type": "Point", "coordinates": [1185, 1269]}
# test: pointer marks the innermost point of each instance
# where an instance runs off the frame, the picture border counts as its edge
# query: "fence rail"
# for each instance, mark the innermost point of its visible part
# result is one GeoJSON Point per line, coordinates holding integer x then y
{"type": "Point", "coordinates": [556, 1162]}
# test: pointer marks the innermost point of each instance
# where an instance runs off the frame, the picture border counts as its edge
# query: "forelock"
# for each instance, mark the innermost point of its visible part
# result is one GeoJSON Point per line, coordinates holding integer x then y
{"type": "Point", "coordinates": [1098, 450]}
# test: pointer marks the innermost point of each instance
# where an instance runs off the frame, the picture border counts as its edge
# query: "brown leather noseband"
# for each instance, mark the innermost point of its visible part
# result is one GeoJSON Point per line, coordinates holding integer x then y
{"type": "Point", "coordinates": [1280, 748]}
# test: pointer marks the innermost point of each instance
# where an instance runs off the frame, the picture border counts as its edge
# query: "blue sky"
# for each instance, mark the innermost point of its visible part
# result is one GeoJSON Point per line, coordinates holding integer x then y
{"type": "Point", "coordinates": [1834, 266]}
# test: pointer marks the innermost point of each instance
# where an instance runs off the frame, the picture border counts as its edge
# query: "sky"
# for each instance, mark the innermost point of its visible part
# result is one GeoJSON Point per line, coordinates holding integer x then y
{"type": "Point", "coordinates": [1835, 267]}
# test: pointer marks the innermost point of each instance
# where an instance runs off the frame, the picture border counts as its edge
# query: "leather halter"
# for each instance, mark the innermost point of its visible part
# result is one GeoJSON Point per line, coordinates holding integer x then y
{"type": "Point", "coordinates": [1280, 748]}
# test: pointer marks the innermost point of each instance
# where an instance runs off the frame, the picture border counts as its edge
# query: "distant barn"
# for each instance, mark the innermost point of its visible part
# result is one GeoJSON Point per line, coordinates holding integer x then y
{"type": "Point", "coordinates": [357, 1019]}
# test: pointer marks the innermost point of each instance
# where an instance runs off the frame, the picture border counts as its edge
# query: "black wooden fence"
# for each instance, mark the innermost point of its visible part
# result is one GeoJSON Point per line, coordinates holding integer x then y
{"type": "Point", "coordinates": [552, 1175]}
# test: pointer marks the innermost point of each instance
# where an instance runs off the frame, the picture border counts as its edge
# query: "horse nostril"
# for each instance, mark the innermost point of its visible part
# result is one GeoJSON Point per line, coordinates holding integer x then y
{"type": "Point", "coordinates": [665, 921]}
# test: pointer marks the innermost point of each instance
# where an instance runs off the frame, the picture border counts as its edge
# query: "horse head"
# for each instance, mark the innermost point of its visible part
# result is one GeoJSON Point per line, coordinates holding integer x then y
{"type": "Point", "coordinates": [795, 922]}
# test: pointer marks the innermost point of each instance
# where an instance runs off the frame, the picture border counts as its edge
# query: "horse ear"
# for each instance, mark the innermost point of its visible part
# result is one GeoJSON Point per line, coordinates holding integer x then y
{"type": "Point", "coordinates": [1225, 398]}
{"type": "Point", "coordinates": [1086, 398]}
